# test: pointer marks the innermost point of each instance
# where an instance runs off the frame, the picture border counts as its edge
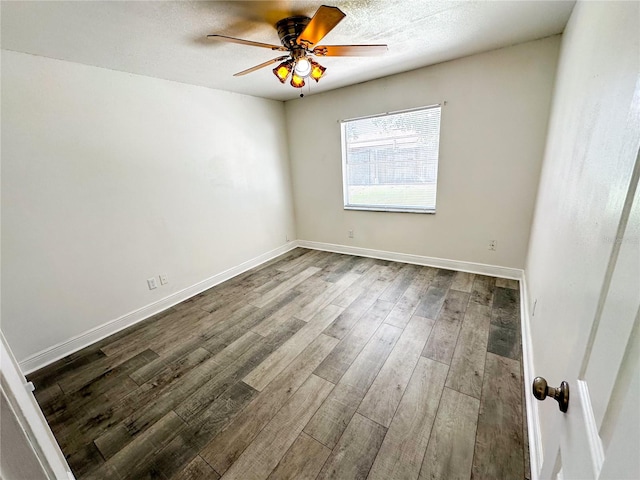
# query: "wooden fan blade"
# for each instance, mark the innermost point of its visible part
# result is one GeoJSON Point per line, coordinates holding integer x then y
{"type": "Point", "coordinates": [325, 19]}
{"type": "Point", "coordinates": [349, 50]}
{"type": "Point", "coordinates": [251, 43]}
{"type": "Point", "coordinates": [262, 65]}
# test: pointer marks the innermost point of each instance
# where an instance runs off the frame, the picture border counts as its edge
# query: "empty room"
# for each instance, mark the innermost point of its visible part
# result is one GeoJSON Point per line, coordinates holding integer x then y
{"type": "Point", "coordinates": [293, 240]}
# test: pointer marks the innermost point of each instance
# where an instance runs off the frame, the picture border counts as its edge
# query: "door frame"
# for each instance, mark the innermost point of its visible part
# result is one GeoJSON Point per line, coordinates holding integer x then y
{"type": "Point", "coordinates": [30, 417]}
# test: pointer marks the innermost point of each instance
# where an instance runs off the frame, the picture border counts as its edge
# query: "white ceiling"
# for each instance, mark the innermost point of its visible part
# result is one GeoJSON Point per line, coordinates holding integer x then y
{"type": "Point", "coordinates": [168, 39]}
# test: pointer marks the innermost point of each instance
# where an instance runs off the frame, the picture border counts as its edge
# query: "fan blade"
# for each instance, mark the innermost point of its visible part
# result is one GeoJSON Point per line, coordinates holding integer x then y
{"type": "Point", "coordinates": [325, 19]}
{"type": "Point", "coordinates": [349, 50]}
{"type": "Point", "coordinates": [262, 65]}
{"type": "Point", "coordinates": [224, 38]}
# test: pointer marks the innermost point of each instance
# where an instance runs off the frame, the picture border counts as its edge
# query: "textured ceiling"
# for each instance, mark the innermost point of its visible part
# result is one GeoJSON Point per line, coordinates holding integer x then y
{"type": "Point", "coordinates": [168, 39]}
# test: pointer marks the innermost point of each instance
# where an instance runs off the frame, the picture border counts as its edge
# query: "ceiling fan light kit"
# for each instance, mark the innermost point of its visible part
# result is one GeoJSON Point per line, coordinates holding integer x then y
{"type": "Point", "coordinates": [298, 35]}
{"type": "Point", "coordinates": [283, 70]}
{"type": "Point", "coordinates": [297, 81]}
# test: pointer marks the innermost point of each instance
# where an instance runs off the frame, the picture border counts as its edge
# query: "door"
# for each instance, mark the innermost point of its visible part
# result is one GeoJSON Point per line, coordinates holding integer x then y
{"type": "Point", "coordinates": [599, 436]}
{"type": "Point", "coordinates": [583, 269]}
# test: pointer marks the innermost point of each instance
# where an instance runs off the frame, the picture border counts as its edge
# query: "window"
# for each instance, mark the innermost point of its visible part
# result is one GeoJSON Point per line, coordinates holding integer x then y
{"type": "Point", "coordinates": [390, 161]}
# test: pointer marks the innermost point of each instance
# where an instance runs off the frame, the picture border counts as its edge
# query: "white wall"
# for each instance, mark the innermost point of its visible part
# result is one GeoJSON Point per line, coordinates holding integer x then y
{"type": "Point", "coordinates": [492, 142]}
{"type": "Point", "coordinates": [594, 134]}
{"type": "Point", "coordinates": [109, 178]}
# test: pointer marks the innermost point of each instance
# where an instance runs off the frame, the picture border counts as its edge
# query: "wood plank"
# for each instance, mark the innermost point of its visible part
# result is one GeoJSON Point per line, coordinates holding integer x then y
{"type": "Point", "coordinates": [407, 304]}
{"type": "Point", "coordinates": [263, 454]}
{"type": "Point", "coordinates": [284, 287]}
{"type": "Point", "coordinates": [49, 399]}
{"type": "Point", "coordinates": [226, 447]}
{"type": "Point", "coordinates": [450, 450]}
{"type": "Point", "coordinates": [96, 417]}
{"type": "Point", "coordinates": [272, 322]}
{"type": "Point", "coordinates": [213, 419]}
{"type": "Point", "coordinates": [108, 387]}
{"type": "Point", "coordinates": [223, 299]}
{"type": "Point", "coordinates": [227, 332]}
{"type": "Point", "coordinates": [404, 446]}
{"type": "Point", "coordinates": [504, 342]}
{"type": "Point", "coordinates": [444, 336]}
{"type": "Point", "coordinates": [276, 276]}
{"type": "Point", "coordinates": [283, 356]}
{"type": "Point", "coordinates": [462, 281]}
{"type": "Point", "coordinates": [382, 399]}
{"type": "Point", "coordinates": [326, 297]}
{"type": "Point", "coordinates": [196, 326]}
{"type": "Point", "coordinates": [353, 264]}
{"type": "Point", "coordinates": [507, 283]}
{"type": "Point", "coordinates": [86, 458]}
{"type": "Point", "coordinates": [193, 394]}
{"type": "Point", "coordinates": [361, 285]}
{"type": "Point", "coordinates": [303, 460]}
{"type": "Point", "coordinates": [339, 361]}
{"type": "Point", "coordinates": [356, 451]}
{"type": "Point", "coordinates": [467, 365]}
{"type": "Point", "coordinates": [431, 303]}
{"type": "Point", "coordinates": [345, 322]}
{"type": "Point", "coordinates": [133, 459]}
{"type": "Point", "coordinates": [52, 374]}
{"type": "Point", "coordinates": [171, 459]}
{"type": "Point", "coordinates": [499, 441]}
{"type": "Point", "coordinates": [332, 269]}
{"type": "Point", "coordinates": [443, 279]}
{"type": "Point", "coordinates": [174, 363]}
{"type": "Point", "coordinates": [104, 368]}
{"type": "Point", "coordinates": [506, 308]}
{"type": "Point", "coordinates": [304, 259]}
{"type": "Point", "coordinates": [482, 290]}
{"type": "Point", "coordinates": [192, 406]}
{"type": "Point", "coordinates": [400, 284]}
{"type": "Point", "coordinates": [329, 422]}
{"type": "Point", "coordinates": [197, 469]}
{"type": "Point", "coordinates": [168, 324]}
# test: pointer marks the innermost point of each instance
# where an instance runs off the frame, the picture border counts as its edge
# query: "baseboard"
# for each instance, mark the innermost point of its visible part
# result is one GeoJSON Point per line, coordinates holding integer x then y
{"type": "Point", "coordinates": [61, 350]}
{"type": "Point", "coordinates": [533, 416]}
{"type": "Point", "coordinates": [471, 267]}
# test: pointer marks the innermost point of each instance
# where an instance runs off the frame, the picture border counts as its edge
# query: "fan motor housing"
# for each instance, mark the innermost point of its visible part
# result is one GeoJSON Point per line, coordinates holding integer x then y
{"type": "Point", "coordinates": [289, 29]}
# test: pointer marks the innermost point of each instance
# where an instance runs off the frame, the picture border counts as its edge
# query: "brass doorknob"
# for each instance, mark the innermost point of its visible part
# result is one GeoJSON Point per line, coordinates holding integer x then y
{"type": "Point", "coordinates": [541, 391]}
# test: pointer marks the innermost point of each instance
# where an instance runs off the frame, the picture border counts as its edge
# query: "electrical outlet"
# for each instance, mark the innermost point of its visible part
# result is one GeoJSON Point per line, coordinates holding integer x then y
{"type": "Point", "coordinates": [152, 283]}
{"type": "Point", "coordinates": [493, 244]}
{"type": "Point", "coordinates": [350, 233]}
{"type": "Point", "coordinates": [163, 279]}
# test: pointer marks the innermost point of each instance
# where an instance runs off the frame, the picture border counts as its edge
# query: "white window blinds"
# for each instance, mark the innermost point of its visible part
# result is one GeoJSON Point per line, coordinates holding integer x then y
{"type": "Point", "coordinates": [390, 161]}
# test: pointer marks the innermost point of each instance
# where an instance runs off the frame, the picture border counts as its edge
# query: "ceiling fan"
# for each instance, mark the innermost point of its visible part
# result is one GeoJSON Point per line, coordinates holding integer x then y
{"type": "Point", "coordinates": [299, 36]}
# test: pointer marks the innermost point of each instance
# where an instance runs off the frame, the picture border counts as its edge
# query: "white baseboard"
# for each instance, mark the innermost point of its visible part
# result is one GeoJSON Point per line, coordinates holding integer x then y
{"type": "Point", "coordinates": [61, 350]}
{"type": "Point", "coordinates": [67, 347]}
{"type": "Point", "coordinates": [533, 416]}
{"type": "Point", "coordinates": [462, 266]}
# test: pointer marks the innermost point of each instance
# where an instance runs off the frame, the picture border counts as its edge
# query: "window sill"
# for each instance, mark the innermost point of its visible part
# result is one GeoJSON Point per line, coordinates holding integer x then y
{"type": "Point", "coordinates": [373, 208]}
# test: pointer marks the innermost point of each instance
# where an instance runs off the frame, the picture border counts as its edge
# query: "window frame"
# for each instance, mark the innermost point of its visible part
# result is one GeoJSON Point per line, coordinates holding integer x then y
{"type": "Point", "coordinates": [385, 208]}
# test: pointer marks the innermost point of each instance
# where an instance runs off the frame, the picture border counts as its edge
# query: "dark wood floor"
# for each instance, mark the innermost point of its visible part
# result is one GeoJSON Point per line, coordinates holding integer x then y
{"type": "Point", "coordinates": [315, 365]}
